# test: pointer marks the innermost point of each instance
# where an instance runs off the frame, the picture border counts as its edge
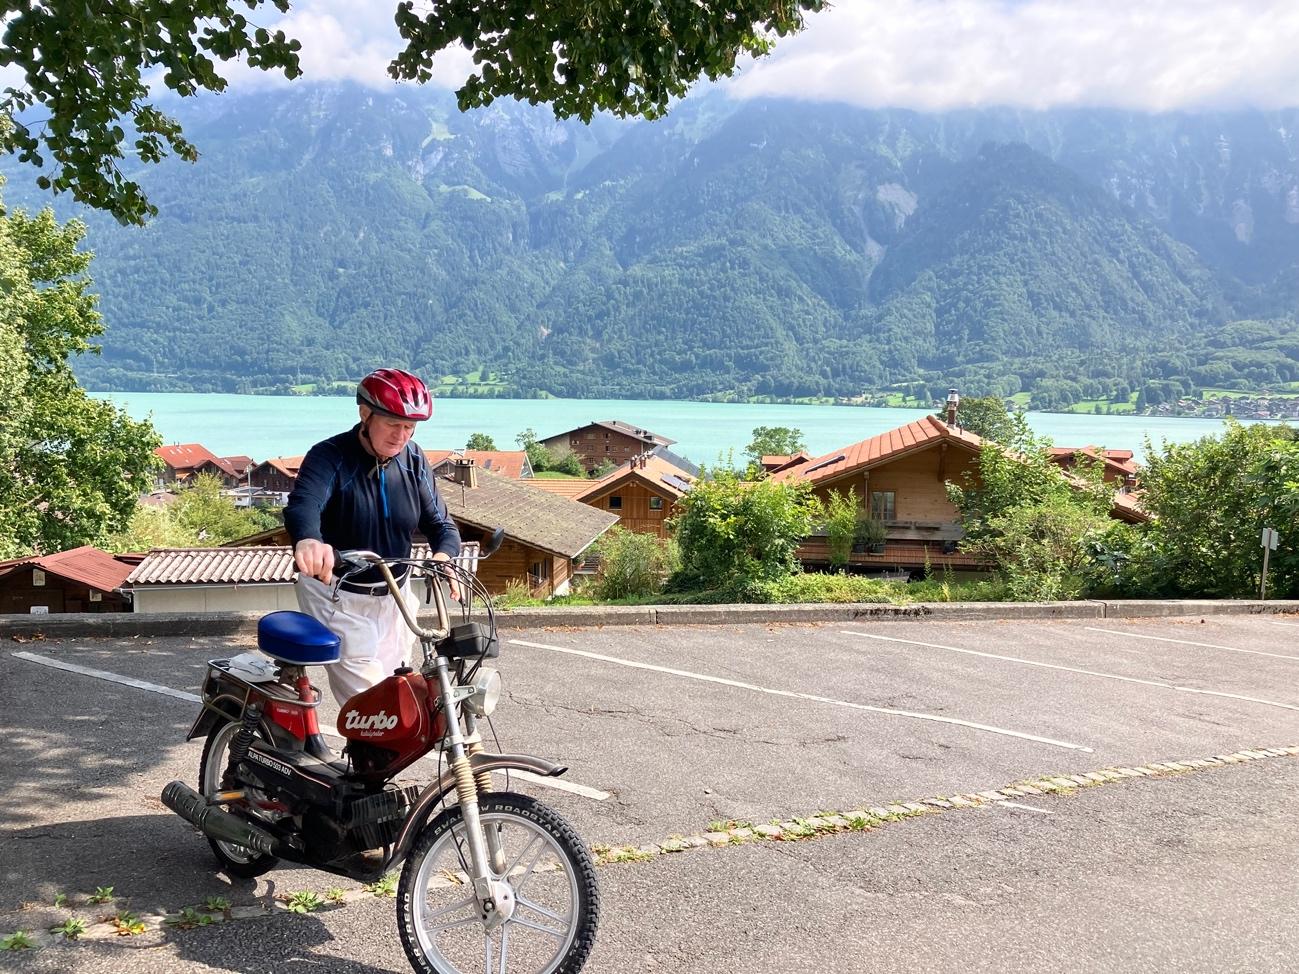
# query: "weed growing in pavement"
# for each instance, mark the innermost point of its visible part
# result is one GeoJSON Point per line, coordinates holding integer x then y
{"type": "Point", "coordinates": [628, 853]}
{"type": "Point", "coordinates": [720, 825]}
{"type": "Point", "coordinates": [216, 904]}
{"type": "Point", "coordinates": [386, 886]}
{"type": "Point", "coordinates": [60, 899]}
{"type": "Point", "coordinates": [335, 894]}
{"type": "Point", "coordinates": [188, 919]}
{"type": "Point", "coordinates": [128, 924]}
{"type": "Point", "coordinates": [304, 902]}
{"type": "Point", "coordinates": [102, 894]}
{"type": "Point", "coordinates": [69, 929]}
{"type": "Point", "coordinates": [18, 940]}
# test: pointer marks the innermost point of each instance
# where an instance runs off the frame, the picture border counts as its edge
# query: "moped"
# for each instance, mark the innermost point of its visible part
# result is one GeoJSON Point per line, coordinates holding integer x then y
{"type": "Point", "coordinates": [491, 881]}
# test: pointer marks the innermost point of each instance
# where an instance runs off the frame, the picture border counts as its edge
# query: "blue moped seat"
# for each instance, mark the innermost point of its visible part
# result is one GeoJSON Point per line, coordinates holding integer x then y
{"type": "Point", "coordinates": [294, 637]}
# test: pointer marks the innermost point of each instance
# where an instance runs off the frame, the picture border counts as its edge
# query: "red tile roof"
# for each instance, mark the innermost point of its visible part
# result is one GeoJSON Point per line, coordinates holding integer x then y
{"type": "Point", "coordinates": [1120, 460]}
{"type": "Point", "coordinates": [655, 472]}
{"type": "Point", "coordinates": [506, 463]}
{"type": "Point", "coordinates": [881, 448]}
{"type": "Point", "coordinates": [285, 465]}
{"type": "Point", "coordinates": [184, 456]}
{"type": "Point", "coordinates": [88, 565]}
{"type": "Point", "coordinates": [565, 487]}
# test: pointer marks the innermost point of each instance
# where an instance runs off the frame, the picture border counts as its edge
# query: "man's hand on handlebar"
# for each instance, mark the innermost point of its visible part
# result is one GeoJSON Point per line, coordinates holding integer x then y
{"type": "Point", "coordinates": [452, 587]}
{"type": "Point", "coordinates": [314, 558]}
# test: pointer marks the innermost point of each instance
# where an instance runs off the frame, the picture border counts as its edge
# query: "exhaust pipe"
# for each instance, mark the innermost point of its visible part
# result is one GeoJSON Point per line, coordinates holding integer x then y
{"type": "Point", "coordinates": [215, 822]}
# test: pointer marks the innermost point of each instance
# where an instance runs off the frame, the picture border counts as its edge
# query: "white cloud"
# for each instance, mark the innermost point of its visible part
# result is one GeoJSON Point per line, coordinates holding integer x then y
{"type": "Point", "coordinates": [350, 40]}
{"type": "Point", "coordinates": [931, 55]}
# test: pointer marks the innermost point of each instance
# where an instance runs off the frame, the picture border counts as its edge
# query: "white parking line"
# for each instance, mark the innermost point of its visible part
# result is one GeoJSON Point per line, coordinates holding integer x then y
{"type": "Point", "coordinates": [126, 681]}
{"type": "Point", "coordinates": [1288, 625]}
{"type": "Point", "coordinates": [1074, 669]}
{"type": "Point", "coordinates": [1027, 808]}
{"type": "Point", "coordinates": [1187, 642]}
{"type": "Point", "coordinates": [703, 677]}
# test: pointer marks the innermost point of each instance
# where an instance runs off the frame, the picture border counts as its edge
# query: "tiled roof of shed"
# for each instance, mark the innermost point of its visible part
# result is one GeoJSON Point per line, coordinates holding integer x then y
{"type": "Point", "coordinates": [222, 566]}
{"type": "Point", "coordinates": [88, 565]}
{"type": "Point", "coordinates": [507, 463]}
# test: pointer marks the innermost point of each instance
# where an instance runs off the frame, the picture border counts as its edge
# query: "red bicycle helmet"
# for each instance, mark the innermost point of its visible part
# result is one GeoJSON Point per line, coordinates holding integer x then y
{"type": "Point", "coordinates": [395, 393]}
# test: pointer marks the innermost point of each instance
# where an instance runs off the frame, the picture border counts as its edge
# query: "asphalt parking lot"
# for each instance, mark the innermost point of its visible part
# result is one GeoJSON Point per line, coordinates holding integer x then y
{"type": "Point", "coordinates": [669, 731]}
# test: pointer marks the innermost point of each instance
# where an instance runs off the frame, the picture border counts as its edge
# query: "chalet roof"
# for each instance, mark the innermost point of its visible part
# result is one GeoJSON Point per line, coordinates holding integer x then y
{"type": "Point", "coordinates": [222, 464]}
{"type": "Point", "coordinates": [534, 517]}
{"type": "Point", "coordinates": [240, 464]}
{"type": "Point", "coordinates": [508, 463]}
{"type": "Point", "coordinates": [571, 487]}
{"type": "Point", "coordinates": [184, 456]}
{"type": "Point", "coordinates": [288, 466]}
{"type": "Point", "coordinates": [618, 426]}
{"type": "Point", "coordinates": [1120, 460]}
{"type": "Point", "coordinates": [881, 448]}
{"type": "Point", "coordinates": [88, 565]}
{"type": "Point", "coordinates": [773, 462]}
{"type": "Point", "coordinates": [654, 472]}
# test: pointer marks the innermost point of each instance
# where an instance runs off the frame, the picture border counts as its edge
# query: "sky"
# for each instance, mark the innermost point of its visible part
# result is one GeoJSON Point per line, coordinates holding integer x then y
{"type": "Point", "coordinates": [932, 55]}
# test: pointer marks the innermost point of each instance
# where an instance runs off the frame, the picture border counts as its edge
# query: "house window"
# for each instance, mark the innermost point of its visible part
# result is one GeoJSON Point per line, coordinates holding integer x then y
{"type": "Point", "coordinates": [615, 502]}
{"type": "Point", "coordinates": [96, 596]}
{"type": "Point", "coordinates": [539, 570]}
{"type": "Point", "coordinates": [882, 505]}
{"type": "Point", "coordinates": [38, 578]}
{"type": "Point", "coordinates": [606, 448]}
{"type": "Point", "coordinates": [606, 436]}
{"type": "Point", "coordinates": [656, 503]}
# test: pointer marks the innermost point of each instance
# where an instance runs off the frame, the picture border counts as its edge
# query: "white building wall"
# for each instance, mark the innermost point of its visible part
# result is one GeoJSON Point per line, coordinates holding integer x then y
{"type": "Point", "coordinates": [215, 598]}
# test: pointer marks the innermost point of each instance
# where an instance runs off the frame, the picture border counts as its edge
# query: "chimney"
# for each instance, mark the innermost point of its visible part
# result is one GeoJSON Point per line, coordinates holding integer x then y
{"type": "Point", "coordinates": [953, 403]}
{"type": "Point", "coordinates": [464, 472]}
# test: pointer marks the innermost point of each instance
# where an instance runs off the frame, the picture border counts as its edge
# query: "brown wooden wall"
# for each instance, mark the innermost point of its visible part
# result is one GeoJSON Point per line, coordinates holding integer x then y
{"type": "Point", "coordinates": [18, 594]}
{"type": "Point", "coordinates": [595, 444]}
{"type": "Point", "coordinates": [635, 514]}
{"type": "Point", "coordinates": [515, 561]}
{"type": "Point", "coordinates": [920, 492]}
{"type": "Point", "coordinates": [268, 478]}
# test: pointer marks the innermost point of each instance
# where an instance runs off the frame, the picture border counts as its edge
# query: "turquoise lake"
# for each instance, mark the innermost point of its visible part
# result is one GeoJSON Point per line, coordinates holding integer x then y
{"type": "Point", "coordinates": [266, 426]}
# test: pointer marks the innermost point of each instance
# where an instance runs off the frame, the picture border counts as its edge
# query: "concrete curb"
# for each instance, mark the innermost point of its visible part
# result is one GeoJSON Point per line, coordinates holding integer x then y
{"type": "Point", "coordinates": [129, 624]}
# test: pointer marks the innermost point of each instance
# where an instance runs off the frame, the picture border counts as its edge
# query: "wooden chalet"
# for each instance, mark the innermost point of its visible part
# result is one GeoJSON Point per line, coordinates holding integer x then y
{"type": "Point", "coordinates": [605, 441]}
{"type": "Point", "coordinates": [1119, 466]}
{"type": "Point", "coordinates": [83, 579]}
{"type": "Point", "coordinates": [900, 477]}
{"type": "Point", "coordinates": [643, 493]}
{"type": "Point", "coordinates": [276, 475]}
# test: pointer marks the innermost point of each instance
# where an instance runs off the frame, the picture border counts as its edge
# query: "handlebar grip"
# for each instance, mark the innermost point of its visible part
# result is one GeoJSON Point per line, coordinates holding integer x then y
{"type": "Point", "coordinates": [344, 564]}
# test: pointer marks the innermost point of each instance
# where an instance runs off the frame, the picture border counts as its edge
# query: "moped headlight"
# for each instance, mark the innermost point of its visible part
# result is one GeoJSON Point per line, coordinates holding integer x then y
{"type": "Point", "coordinates": [487, 692]}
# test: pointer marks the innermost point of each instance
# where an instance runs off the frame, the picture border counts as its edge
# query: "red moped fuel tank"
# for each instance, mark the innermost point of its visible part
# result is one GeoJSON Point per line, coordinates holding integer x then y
{"type": "Point", "coordinates": [393, 714]}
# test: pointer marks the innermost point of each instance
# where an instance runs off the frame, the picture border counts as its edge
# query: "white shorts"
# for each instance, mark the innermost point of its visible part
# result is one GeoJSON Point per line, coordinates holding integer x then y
{"type": "Point", "coordinates": [374, 638]}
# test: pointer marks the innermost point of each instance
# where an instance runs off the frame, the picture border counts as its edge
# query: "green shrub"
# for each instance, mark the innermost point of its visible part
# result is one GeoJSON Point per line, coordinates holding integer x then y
{"type": "Point", "coordinates": [733, 534]}
{"type": "Point", "coordinates": [841, 525]}
{"type": "Point", "coordinates": [633, 564]}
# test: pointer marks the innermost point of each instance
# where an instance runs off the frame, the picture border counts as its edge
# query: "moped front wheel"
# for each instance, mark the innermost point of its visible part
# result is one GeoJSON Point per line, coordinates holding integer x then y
{"type": "Point", "coordinates": [551, 877]}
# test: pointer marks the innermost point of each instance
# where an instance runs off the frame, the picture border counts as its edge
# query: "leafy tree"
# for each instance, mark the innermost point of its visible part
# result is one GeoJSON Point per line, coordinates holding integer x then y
{"type": "Point", "coordinates": [480, 441]}
{"type": "Point", "coordinates": [632, 57]}
{"type": "Point", "coordinates": [71, 467]}
{"type": "Point", "coordinates": [603, 469]}
{"type": "Point", "coordinates": [1211, 499]}
{"type": "Point", "coordinates": [539, 456]}
{"type": "Point", "coordinates": [778, 440]}
{"type": "Point", "coordinates": [988, 417]}
{"type": "Point", "coordinates": [568, 462]}
{"type": "Point", "coordinates": [212, 517]}
{"type": "Point", "coordinates": [733, 533]}
{"type": "Point", "coordinates": [87, 69]}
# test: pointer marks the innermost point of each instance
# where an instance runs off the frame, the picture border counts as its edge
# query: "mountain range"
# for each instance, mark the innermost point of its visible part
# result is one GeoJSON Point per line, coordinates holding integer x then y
{"type": "Point", "coordinates": [732, 249]}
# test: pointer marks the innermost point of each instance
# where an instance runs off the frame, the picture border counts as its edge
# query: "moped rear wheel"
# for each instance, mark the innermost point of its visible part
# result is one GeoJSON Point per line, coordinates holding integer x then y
{"type": "Point", "coordinates": [235, 859]}
{"type": "Point", "coordinates": [552, 877]}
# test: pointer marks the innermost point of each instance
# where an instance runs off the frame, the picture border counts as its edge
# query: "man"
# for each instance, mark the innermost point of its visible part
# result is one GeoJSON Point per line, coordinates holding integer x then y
{"type": "Point", "coordinates": [368, 488]}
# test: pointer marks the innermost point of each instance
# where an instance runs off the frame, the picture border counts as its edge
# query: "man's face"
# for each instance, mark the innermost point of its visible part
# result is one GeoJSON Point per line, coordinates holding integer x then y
{"type": "Point", "coordinates": [388, 435]}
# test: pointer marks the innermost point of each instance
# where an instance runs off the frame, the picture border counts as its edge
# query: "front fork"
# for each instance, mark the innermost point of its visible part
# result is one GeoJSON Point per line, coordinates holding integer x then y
{"type": "Point", "coordinates": [485, 852]}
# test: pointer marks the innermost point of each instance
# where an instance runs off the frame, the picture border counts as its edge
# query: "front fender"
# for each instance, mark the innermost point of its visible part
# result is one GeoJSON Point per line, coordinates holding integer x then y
{"type": "Point", "coordinates": [435, 791]}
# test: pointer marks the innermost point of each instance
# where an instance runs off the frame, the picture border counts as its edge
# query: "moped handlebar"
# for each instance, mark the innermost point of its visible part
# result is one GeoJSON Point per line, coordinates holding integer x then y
{"type": "Point", "coordinates": [351, 562]}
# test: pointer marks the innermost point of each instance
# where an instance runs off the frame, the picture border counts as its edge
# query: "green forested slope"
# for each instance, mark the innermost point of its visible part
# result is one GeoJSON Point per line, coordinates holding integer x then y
{"type": "Point", "coordinates": [763, 248]}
